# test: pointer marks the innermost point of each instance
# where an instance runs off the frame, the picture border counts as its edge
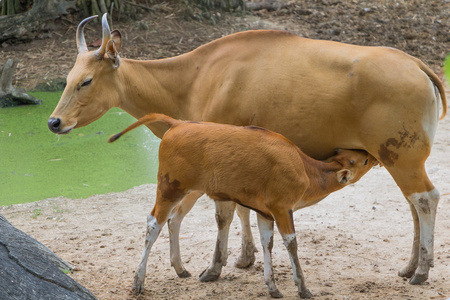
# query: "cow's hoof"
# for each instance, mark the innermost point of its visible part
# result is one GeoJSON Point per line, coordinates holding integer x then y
{"type": "Point", "coordinates": [306, 294]}
{"type": "Point", "coordinates": [184, 274]}
{"type": "Point", "coordinates": [207, 276]}
{"type": "Point", "coordinates": [418, 279]}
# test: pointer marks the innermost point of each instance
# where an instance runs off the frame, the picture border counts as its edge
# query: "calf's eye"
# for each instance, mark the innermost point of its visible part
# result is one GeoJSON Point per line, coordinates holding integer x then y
{"type": "Point", "coordinates": [365, 163]}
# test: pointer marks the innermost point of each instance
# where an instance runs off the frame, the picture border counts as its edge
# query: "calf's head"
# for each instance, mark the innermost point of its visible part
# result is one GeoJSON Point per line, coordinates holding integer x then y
{"type": "Point", "coordinates": [91, 84]}
{"type": "Point", "coordinates": [355, 163]}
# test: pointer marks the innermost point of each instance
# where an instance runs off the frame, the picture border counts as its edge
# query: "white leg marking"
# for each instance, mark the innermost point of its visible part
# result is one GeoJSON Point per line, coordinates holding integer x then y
{"type": "Point", "coordinates": [174, 225]}
{"type": "Point", "coordinates": [153, 230]}
{"type": "Point", "coordinates": [410, 268]}
{"type": "Point", "coordinates": [266, 234]}
{"type": "Point", "coordinates": [426, 205]}
{"type": "Point", "coordinates": [290, 242]}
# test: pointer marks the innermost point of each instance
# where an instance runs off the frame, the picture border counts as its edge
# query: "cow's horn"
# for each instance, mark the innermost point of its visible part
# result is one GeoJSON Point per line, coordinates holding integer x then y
{"type": "Point", "coordinates": [81, 42]}
{"type": "Point", "coordinates": [106, 36]}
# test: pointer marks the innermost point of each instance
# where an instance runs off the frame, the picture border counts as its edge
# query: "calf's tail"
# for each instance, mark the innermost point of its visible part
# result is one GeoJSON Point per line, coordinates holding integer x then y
{"type": "Point", "coordinates": [149, 119]}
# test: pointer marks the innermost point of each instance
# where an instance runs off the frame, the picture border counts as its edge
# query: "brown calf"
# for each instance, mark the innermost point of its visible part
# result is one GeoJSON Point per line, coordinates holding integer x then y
{"type": "Point", "coordinates": [251, 166]}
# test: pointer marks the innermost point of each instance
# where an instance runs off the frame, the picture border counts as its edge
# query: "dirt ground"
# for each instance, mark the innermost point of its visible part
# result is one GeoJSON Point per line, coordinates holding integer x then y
{"type": "Point", "coordinates": [420, 28]}
{"type": "Point", "coordinates": [351, 245]}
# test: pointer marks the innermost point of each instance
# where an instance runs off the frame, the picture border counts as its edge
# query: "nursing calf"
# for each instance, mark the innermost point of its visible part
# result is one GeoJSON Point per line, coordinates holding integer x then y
{"type": "Point", "coordinates": [251, 166]}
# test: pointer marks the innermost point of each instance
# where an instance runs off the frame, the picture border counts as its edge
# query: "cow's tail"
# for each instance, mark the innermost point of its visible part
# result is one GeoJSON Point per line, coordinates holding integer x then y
{"type": "Point", "coordinates": [437, 82]}
{"type": "Point", "coordinates": [149, 119]}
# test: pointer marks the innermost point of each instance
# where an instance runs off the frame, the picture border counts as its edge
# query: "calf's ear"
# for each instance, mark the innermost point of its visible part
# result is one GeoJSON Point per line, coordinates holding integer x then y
{"type": "Point", "coordinates": [344, 176]}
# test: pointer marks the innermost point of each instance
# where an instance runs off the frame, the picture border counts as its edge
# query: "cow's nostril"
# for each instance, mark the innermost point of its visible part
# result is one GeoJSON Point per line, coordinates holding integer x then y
{"type": "Point", "coordinates": [54, 124]}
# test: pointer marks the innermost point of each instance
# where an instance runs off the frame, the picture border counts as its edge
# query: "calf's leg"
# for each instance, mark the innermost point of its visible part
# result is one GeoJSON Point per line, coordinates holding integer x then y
{"type": "Point", "coordinates": [266, 234]}
{"type": "Point", "coordinates": [174, 224]}
{"type": "Point", "coordinates": [155, 222]}
{"type": "Point", "coordinates": [285, 224]}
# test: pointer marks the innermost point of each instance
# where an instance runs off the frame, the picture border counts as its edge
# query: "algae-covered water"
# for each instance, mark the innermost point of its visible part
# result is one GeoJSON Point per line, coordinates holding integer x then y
{"type": "Point", "coordinates": [36, 164]}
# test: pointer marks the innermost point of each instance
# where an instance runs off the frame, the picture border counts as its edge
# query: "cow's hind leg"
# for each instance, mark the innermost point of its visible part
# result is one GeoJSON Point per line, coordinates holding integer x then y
{"type": "Point", "coordinates": [423, 198]}
{"type": "Point", "coordinates": [155, 222]}
{"type": "Point", "coordinates": [410, 268]}
{"type": "Point", "coordinates": [248, 249]}
{"type": "Point", "coordinates": [224, 217]}
{"type": "Point", "coordinates": [174, 224]}
{"type": "Point", "coordinates": [425, 204]}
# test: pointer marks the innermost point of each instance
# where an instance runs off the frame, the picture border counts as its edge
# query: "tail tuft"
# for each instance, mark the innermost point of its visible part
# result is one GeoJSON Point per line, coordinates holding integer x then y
{"type": "Point", "coordinates": [115, 137]}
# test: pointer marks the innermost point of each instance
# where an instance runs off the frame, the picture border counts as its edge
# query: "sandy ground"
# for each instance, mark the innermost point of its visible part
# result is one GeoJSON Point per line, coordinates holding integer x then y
{"type": "Point", "coordinates": [351, 244]}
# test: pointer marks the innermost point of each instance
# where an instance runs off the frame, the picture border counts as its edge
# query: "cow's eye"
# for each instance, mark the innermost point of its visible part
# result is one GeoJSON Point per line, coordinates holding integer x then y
{"type": "Point", "coordinates": [352, 162]}
{"type": "Point", "coordinates": [365, 163]}
{"type": "Point", "coordinates": [86, 82]}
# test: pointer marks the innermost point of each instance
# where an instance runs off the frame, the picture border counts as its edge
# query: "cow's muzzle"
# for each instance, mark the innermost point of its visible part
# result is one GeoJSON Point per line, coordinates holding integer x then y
{"type": "Point", "coordinates": [54, 124]}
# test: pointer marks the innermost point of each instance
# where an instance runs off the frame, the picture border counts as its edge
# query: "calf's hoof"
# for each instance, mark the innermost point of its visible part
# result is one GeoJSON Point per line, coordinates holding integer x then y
{"type": "Point", "coordinates": [138, 286]}
{"type": "Point", "coordinates": [306, 294]}
{"type": "Point", "coordinates": [276, 294]}
{"type": "Point", "coordinates": [418, 279]}
{"type": "Point", "coordinates": [245, 261]}
{"type": "Point", "coordinates": [184, 274]}
{"type": "Point", "coordinates": [406, 272]}
{"type": "Point", "coordinates": [208, 275]}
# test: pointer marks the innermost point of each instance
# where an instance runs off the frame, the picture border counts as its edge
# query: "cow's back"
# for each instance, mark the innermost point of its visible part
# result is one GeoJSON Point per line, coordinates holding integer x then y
{"type": "Point", "coordinates": [321, 95]}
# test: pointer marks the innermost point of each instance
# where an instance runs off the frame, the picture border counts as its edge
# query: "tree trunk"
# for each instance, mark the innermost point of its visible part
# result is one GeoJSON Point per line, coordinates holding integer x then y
{"type": "Point", "coordinates": [9, 96]}
{"type": "Point", "coordinates": [25, 26]}
{"type": "Point", "coordinates": [29, 270]}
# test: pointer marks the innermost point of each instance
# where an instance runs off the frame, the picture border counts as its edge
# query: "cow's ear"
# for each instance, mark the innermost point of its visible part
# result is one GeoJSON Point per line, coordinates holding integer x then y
{"type": "Point", "coordinates": [113, 47]}
{"type": "Point", "coordinates": [117, 38]}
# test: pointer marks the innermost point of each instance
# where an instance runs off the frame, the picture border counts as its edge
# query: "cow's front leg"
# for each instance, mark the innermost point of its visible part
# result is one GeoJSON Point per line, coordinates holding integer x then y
{"type": "Point", "coordinates": [224, 216]}
{"type": "Point", "coordinates": [248, 249]}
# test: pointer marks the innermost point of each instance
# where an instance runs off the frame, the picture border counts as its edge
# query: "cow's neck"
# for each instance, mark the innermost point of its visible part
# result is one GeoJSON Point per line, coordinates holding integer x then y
{"type": "Point", "coordinates": [158, 86]}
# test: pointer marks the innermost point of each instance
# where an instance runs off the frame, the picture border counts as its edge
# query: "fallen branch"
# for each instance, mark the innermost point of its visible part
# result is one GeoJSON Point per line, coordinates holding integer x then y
{"type": "Point", "coordinates": [270, 6]}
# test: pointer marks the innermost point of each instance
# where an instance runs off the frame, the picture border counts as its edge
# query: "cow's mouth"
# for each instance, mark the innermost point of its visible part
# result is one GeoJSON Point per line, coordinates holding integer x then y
{"type": "Point", "coordinates": [67, 130]}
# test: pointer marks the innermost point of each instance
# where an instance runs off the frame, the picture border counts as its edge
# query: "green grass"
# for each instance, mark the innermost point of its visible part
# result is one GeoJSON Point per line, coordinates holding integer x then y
{"type": "Point", "coordinates": [447, 68]}
{"type": "Point", "coordinates": [36, 164]}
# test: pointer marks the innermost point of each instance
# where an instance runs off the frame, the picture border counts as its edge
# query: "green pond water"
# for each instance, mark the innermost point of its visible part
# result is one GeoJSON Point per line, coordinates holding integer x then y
{"type": "Point", "coordinates": [36, 164]}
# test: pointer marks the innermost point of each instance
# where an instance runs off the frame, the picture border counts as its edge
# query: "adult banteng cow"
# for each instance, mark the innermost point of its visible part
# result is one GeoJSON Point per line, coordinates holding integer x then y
{"type": "Point", "coordinates": [321, 95]}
